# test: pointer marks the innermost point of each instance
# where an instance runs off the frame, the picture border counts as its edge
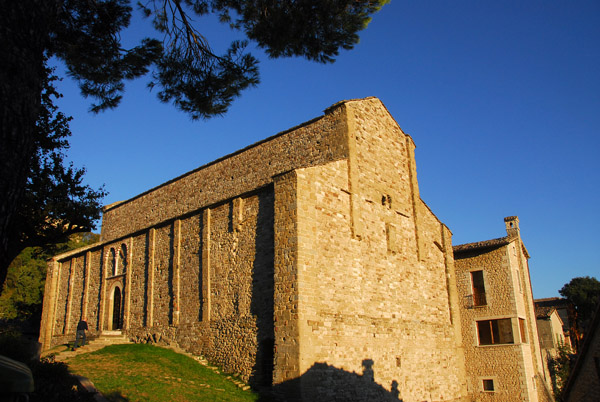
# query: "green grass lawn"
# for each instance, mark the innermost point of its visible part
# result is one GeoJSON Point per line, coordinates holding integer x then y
{"type": "Point", "coordinates": [139, 372]}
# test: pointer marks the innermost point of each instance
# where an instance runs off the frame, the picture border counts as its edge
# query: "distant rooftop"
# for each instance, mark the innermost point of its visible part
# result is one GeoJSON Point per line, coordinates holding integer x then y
{"type": "Point", "coordinates": [544, 312]}
{"type": "Point", "coordinates": [551, 302]}
{"type": "Point", "coordinates": [501, 241]}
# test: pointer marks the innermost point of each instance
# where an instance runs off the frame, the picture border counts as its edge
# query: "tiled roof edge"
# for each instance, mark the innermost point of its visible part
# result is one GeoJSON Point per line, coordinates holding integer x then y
{"type": "Point", "coordinates": [501, 241]}
{"type": "Point", "coordinates": [543, 312]}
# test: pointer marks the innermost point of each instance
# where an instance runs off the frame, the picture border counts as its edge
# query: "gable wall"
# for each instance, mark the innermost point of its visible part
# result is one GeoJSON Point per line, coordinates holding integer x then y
{"type": "Point", "coordinates": [367, 305]}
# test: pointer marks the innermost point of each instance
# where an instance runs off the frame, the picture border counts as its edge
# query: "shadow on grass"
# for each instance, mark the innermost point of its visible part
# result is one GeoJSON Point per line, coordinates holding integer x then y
{"type": "Point", "coordinates": [52, 380]}
{"type": "Point", "coordinates": [54, 383]}
{"type": "Point", "coordinates": [115, 396]}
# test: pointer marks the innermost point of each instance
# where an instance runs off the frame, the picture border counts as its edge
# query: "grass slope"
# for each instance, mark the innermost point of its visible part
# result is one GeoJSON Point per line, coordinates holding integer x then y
{"type": "Point", "coordinates": [139, 372]}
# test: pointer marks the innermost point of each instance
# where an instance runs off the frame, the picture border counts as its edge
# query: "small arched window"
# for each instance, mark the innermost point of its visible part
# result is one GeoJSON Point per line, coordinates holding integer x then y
{"type": "Point", "coordinates": [122, 263]}
{"type": "Point", "coordinates": [112, 262]}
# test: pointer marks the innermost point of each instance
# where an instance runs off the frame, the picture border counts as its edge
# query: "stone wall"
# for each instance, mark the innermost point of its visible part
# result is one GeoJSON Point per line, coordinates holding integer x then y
{"type": "Point", "coordinates": [162, 288]}
{"type": "Point", "coordinates": [138, 284]}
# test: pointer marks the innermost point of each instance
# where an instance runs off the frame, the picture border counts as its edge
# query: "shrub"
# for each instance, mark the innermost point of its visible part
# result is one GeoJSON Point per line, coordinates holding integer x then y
{"type": "Point", "coordinates": [16, 346]}
{"type": "Point", "coordinates": [560, 368]}
{"type": "Point", "coordinates": [54, 383]}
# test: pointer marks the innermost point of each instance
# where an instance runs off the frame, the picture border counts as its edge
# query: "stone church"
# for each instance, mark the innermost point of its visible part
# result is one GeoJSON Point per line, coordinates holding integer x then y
{"type": "Point", "coordinates": [306, 262]}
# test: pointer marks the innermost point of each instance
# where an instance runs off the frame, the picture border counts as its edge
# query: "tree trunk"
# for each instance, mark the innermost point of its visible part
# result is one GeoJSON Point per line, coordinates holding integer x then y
{"type": "Point", "coordinates": [24, 36]}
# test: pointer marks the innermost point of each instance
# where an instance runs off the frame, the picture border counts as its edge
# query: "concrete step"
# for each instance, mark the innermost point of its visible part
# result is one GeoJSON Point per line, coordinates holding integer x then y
{"type": "Point", "coordinates": [106, 338]}
{"type": "Point", "coordinates": [112, 333]}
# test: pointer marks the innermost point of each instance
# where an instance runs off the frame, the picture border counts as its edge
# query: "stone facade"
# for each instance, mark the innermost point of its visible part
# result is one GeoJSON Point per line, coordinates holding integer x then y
{"type": "Point", "coordinates": [502, 351]}
{"type": "Point", "coordinates": [307, 262]}
{"type": "Point", "coordinates": [567, 314]}
{"type": "Point", "coordinates": [550, 331]}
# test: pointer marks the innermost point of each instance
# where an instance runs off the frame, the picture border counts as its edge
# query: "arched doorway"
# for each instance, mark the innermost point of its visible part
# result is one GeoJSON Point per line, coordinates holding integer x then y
{"type": "Point", "coordinates": [116, 309]}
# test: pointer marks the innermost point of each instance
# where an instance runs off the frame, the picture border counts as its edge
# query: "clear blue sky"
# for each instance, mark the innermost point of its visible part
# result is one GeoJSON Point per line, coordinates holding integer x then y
{"type": "Point", "coordinates": [502, 99]}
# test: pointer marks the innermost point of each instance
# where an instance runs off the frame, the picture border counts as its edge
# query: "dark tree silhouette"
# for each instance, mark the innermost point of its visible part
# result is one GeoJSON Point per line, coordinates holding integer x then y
{"type": "Point", "coordinates": [584, 293]}
{"type": "Point", "coordinates": [55, 203]}
{"type": "Point", "coordinates": [85, 35]}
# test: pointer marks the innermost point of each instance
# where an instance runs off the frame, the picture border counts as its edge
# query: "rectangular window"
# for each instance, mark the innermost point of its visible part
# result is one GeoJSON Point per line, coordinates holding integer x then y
{"type": "Point", "coordinates": [478, 288]}
{"type": "Point", "coordinates": [495, 332]}
{"type": "Point", "coordinates": [523, 332]}
{"type": "Point", "coordinates": [488, 385]}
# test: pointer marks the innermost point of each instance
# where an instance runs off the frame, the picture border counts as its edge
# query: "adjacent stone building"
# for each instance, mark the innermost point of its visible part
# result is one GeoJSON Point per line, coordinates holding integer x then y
{"type": "Point", "coordinates": [307, 262]}
{"type": "Point", "coordinates": [568, 316]}
{"type": "Point", "coordinates": [550, 332]}
{"type": "Point", "coordinates": [499, 331]}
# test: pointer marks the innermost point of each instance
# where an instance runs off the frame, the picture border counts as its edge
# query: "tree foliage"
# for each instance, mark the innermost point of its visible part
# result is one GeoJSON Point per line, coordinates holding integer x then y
{"type": "Point", "coordinates": [560, 369]}
{"type": "Point", "coordinates": [584, 293]}
{"type": "Point", "coordinates": [186, 70]}
{"type": "Point", "coordinates": [85, 35]}
{"type": "Point", "coordinates": [24, 286]}
{"type": "Point", "coordinates": [56, 202]}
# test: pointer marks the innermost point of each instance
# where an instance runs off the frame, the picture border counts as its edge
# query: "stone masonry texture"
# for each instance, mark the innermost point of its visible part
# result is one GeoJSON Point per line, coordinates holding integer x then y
{"type": "Point", "coordinates": [306, 262]}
